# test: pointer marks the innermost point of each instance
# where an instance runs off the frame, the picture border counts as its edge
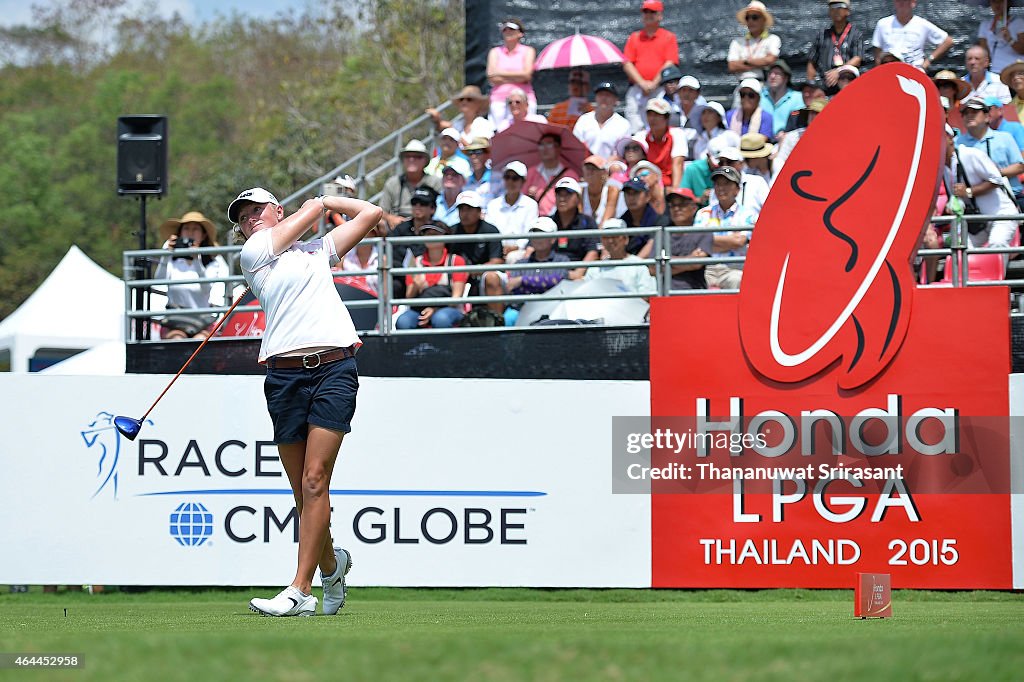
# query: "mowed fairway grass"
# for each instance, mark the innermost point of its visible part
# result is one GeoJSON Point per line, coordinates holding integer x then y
{"type": "Point", "coordinates": [520, 634]}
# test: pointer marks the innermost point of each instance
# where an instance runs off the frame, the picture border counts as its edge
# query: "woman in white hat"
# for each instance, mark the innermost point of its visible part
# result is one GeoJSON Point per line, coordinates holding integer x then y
{"type": "Point", "coordinates": [309, 350]}
{"type": "Point", "coordinates": [191, 287]}
{"type": "Point", "coordinates": [712, 124]}
{"type": "Point", "coordinates": [758, 49]}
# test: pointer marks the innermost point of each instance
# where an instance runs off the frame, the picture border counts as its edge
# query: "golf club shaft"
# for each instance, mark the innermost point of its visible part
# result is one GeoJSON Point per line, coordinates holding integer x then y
{"type": "Point", "coordinates": [220, 322]}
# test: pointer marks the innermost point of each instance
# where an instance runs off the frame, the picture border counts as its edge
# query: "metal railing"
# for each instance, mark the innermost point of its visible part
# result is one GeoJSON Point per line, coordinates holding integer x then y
{"type": "Point", "coordinates": [659, 262]}
{"type": "Point", "coordinates": [381, 157]}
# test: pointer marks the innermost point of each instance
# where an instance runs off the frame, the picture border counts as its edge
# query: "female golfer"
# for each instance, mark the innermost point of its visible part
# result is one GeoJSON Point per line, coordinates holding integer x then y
{"type": "Point", "coordinates": [309, 349]}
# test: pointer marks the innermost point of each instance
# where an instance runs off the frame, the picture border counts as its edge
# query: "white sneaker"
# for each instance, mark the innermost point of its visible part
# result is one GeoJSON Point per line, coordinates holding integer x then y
{"type": "Point", "coordinates": [335, 589]}
{"type": "Point", "coordinates": [289, 602]}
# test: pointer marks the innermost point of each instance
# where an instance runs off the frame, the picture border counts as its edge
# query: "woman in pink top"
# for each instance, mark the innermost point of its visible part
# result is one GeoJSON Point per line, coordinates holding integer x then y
{"type": "Point", "coordinates": [509, 66]}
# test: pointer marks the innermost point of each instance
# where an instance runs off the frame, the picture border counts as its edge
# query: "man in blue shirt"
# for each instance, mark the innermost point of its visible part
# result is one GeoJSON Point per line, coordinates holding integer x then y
{"type": "Point", "coordinates": [996, 121]}
{"type": "Point", "coordinates": [776, 96]}
{"type": "Point", "coordinates": [998, 146]}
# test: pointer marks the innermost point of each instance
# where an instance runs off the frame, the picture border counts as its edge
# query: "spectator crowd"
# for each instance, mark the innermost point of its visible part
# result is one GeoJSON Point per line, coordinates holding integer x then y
{"type": "Point", "coordinates": [662, 154]}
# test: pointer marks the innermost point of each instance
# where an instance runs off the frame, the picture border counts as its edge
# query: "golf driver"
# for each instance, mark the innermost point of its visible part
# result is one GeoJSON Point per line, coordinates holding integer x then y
{"type": "Point", "coordinates": [128, 427]}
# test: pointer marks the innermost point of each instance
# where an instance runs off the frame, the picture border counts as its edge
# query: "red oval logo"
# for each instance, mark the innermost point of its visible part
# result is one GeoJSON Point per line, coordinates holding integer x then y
{"type": "Point", "coordinates": [828, 277]}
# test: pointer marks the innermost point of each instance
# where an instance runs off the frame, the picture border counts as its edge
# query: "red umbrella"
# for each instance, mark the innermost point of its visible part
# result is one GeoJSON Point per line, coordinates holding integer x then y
{"type": "Point", "coordinates": [519, 141]}
{"type": "Point", "coordinates": [578, 50]}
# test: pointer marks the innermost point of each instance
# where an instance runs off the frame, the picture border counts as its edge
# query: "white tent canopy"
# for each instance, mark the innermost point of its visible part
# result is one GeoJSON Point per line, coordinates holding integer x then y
{"type": "Point", "coordinates": [80, 305]}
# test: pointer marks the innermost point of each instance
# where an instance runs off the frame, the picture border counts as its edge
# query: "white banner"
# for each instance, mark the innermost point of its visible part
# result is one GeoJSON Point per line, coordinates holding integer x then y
{"type": "Point", "coordinates": [443, 482]}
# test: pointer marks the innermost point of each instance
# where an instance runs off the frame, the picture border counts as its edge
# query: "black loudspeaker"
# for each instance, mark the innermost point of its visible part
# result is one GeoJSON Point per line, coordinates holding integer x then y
{"type": "Point", "coordinates": [142, 154]}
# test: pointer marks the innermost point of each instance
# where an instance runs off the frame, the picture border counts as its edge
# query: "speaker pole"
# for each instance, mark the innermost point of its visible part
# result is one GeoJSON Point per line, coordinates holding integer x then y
{"type": "Point", "coordinates": [142, 325]}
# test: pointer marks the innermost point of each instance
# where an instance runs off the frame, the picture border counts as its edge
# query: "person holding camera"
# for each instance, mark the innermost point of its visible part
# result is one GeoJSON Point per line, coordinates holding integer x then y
{"type": "Point", "coordinates": [190, 273]}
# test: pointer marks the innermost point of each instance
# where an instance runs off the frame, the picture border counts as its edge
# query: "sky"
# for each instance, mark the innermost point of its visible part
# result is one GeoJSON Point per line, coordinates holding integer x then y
{"type": "Point", "coordinates": [14, 12]}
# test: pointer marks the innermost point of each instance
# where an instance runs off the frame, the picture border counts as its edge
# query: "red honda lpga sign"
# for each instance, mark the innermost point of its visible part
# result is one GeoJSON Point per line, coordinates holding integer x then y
{"type": "Point", "coordinates": [831, 419]}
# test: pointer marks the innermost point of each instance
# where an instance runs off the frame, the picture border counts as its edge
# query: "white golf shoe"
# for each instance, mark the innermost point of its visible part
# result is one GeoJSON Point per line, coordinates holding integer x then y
{"type": "Point", "coordinates": [289, 602]}
{"type": "Point", "coordinates": [335, 589]}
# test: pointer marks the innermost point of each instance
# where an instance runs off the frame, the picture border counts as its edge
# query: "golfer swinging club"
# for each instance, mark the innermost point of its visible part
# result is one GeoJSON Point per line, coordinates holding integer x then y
{"type": "Point", "coordinates": [309, 349]}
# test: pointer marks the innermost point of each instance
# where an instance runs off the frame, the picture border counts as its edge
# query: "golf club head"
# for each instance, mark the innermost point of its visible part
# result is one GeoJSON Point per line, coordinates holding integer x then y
{"type": "Point", "coordinates": [128, 427]}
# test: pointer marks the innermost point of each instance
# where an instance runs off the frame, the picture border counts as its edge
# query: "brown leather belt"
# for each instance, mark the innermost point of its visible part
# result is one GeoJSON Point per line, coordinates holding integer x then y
{"type": "Point", "coordinates": [313, 360]}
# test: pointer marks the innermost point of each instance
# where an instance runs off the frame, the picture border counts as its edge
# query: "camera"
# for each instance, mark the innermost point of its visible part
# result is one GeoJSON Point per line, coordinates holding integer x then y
{"type": "Point", "coordinates": [184, 243]}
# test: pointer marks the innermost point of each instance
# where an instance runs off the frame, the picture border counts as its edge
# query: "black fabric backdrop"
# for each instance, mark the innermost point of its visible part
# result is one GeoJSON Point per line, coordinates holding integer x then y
{"type": "Point", "coordinates": [704, 30]}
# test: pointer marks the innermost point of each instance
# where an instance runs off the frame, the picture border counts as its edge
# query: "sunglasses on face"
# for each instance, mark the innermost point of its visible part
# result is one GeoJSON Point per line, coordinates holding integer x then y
{"type": "Point", "coordinates": [634, 148]}
{"type": "Point", "coordinates": [753, 17]}
{"type": "Point", "coordinates": [746, 94]}
{"type": "Point", "coordinates": [476, 152]}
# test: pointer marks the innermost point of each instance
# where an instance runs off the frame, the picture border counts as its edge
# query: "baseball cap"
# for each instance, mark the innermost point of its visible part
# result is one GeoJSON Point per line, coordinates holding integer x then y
{"type": "Point", "coordinates": [606, 85]}
{"type": "Point", "coordinates": [451, 133]}
{"type": "Point", "coordinates": [414, 147]}
{"type": "Point", "coordinates": [653, 6]}
{"type": "Point", "coordinates": [469, 198]}
{"type": "Point", "coordinates": [993, 101]}
{"type": "Point", "coordinates": [570, 184]}
{"type": "Point", "coordinates": [730, 153]}
{"type": "Point", "coordinates": [635, 183]}
{"type": "Point", "coordinates": [727, 172]}
{"type": "Point", "coordinates": [670, 73]}
{"type": "Point", "coordinates": [614, 224]}
{"type": "Point", "coordinates": [839, 3]}
{"type": "Point", "coordinates": [681, 193]}
{"type": "Point", "coordinates": [424, 195]}
{"type": "Point", "coordinates": [750, 84]}
{"type": "Point", "coordinates": [440, 228]}
{"type": "Point", "coordinates": [717, 108]}
{"type": "Point", "coordinates": [597, 161]}
{"type": "Point", "coordinates": [256, 195]}
{"type": "Point", "coordinates": [974, 103]}
{"type": "Point", "coordinates": [459, 165]}
{"type": "Point", "coordinates": [543, 224]}
{"type": "Point", "coordinates": [659, 106]}
{"type": "Point", "coordinates": [689, 82]}
{"type": "Point", "coordinates": [517, 167]}
{"type": "Point", "coordinates": [782, 65]}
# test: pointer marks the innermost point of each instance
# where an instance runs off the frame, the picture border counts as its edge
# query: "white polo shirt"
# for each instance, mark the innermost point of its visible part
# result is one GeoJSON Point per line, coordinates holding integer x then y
{"type": "Point", "coordinates": [601, 139]}
{"type": "Point", "coordinates": [297, 293]}
{"type": "Point", "coordinates": [511, 219]}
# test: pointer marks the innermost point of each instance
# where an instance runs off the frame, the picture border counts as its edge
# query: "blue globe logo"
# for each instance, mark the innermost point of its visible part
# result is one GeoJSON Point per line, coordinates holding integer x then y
{"type": "Point", "coordinates": [191, 524]}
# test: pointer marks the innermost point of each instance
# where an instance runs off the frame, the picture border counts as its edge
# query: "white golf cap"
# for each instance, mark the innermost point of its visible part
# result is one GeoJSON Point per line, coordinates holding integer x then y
{"type": "Point", "coordinates": [614, 224]}
{"type": "Point", "coordinates": [689, 82]}
{"type": "Point", "coordinates": [731, 153]}
{"type": "Point", "coordinates": [451, 133]}
{"type": "Point", "coordinates": [717, 108]}
{"type": "Point", "coordinates": [570, 184]}
{"type": "Point", "coordinates": [470, 198]}
{"type": "Point", "coordinates": [517, 167]}
{"type": "Point", "coordinates": [544, 224]}
{"type": "Point", "coordinates": [750, 84]}
{"type": "Point", "coordinates": [256, 195]}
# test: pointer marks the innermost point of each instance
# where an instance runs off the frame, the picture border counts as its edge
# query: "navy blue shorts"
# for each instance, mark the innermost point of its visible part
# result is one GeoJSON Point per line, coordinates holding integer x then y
{"type": "Point", "coordinates": [323, 396]}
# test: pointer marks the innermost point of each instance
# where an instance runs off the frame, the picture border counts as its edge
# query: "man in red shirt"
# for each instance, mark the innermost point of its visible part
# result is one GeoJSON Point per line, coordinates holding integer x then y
{"type": "Point", "coordinates": [647, 52]}
{"type": "Point", "coordinates": [666, 146]}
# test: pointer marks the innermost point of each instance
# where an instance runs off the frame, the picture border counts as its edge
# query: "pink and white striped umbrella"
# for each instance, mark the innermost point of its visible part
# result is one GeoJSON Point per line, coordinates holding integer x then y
{"type": "Point", "coordinates": [577, 50]}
